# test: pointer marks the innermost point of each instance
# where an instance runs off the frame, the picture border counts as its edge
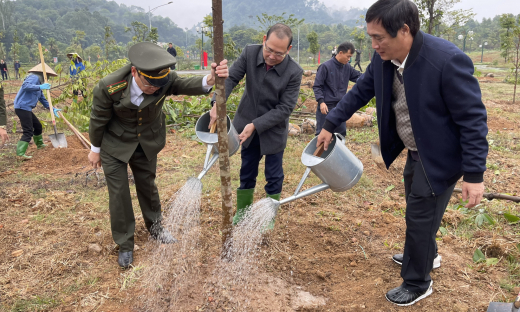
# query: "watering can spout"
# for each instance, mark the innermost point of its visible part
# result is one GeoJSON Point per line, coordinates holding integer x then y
{"type": "Point", "coordinates": [208, 162]}
{"type": "Point", "coordinates": [307, 192]}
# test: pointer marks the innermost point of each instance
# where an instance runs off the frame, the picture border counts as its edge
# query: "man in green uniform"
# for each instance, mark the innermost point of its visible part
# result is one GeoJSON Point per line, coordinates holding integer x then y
{"type": "Point", "coordinates": [127, 127]}
{"type": "Point", "coordinates": [3, 117]}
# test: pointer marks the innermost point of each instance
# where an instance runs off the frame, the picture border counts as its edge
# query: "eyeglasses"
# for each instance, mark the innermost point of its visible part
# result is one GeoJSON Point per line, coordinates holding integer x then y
{"type": "Point", "coordinates": [146, 85]}
{"type": "Point", "coordinates": [270, 51]}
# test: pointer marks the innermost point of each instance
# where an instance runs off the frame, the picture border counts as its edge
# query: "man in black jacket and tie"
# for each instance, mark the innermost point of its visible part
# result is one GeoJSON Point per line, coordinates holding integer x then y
{"type": "Point", "coordinates": [273, 81]}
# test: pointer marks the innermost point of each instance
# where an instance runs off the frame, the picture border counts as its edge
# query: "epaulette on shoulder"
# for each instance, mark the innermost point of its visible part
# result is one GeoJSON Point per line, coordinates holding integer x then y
{"type": "Point", "coordinates": [116, 87]}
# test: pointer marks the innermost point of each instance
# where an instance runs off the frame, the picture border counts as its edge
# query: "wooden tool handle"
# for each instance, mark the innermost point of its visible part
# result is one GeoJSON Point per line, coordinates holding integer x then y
{"type": "Point", "coordinates": [45, 80]}
{"type": "Point", "coordinates": [319, 150]}
{"type": "Point", "coordinates": [213, 127]}
{"type": "Point", "coordinates": [76, 131]}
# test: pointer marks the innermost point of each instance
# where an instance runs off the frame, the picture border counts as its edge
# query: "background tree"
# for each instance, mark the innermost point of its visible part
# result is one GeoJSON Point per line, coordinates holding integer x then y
{"type": "Point", "coordinates": [78, 41]}
{"type": "Point", "coordinates": [314, 47]}
{"type": "Point", "coordinates": [434, 12]}
{"type": "Point", "coordinates": [140, 31]}
{"type": "Point", "coordinates": [3, 51]}
{"type": "Point", "coordinates": [15, 46]}
{"type": "Point", "coordinates": [6, 12]}
{"type": "Point", "coordinates": [109, 40]}
{"type": "Point", "coordinates": [29, 40]}
{"type": "Point", "coordinates": [153, 36]}
{"type": "Point", "coordinates": [516, 58]}
{"type": "Point", "coordinates": [53, 47]}
{"type": "Point", "coordinates": [231, 52]}
{"type": "Point", "coordinates": [93, 53]}
{"type": "Point", "coordinates": [507, 23]}
{"type": "Point", "coordinates": [266, 21]}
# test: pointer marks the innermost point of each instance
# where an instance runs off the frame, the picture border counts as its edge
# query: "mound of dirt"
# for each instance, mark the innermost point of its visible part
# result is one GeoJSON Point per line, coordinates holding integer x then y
{"type": "Point", "coordinates": [58, 160]}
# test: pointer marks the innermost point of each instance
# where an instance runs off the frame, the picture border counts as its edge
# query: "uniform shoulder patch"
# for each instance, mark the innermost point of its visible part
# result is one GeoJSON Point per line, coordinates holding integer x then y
{"type": "Point", "coordinates": [116, 87]}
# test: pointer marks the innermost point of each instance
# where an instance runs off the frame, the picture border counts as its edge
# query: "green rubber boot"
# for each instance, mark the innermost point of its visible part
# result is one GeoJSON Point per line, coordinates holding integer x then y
{"type": "Point", "coordinates": [38, 140]}
{"type": "Point", "coordinates": [244, 200]}
{"type": "Point", "coordinates": [270, 226]}
{"type": "Point", "coordinates": [21, 147]}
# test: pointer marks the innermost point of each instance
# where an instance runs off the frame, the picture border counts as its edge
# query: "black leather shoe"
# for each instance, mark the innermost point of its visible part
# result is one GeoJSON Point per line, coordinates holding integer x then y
{"type": "Point", "coordinates": [403, 297]}
{"type": "Point", "coordinates": [163, 235]}
{"type": "Point", "coordinates": [125, 258]}
{"type": "Point", "coordinates": [398, 258]}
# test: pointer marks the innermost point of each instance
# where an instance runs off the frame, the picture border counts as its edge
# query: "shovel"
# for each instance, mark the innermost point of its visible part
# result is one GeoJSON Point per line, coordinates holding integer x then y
{"type": "Point", "coordinates": [505, 307]}
{"type": "Point", "coordinates": [57, 139]}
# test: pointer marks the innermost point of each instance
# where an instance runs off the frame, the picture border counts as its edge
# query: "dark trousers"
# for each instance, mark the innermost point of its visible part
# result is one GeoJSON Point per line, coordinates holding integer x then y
{"type": "Point", "coordinates": [30, 124]}
{"type": "Point", "coordinates": [424, 213]}
{"type": "Point", "coordinates": [320, 121]}
{"type": "Point", "coordinates": [4, 74]}
{"type": "Point", "coordinates": [358, 64]}
{"type": "Point", "coordinates": [251, 157]}
{"type": "Point", "coordinates": [122, 219]}
{"type": "Point", "coordinates": [17, 74]}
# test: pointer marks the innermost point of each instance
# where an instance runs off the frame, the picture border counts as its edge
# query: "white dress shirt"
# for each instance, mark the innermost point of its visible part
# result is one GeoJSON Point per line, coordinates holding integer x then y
{"type": "Point", "coordinates": [400, 65]}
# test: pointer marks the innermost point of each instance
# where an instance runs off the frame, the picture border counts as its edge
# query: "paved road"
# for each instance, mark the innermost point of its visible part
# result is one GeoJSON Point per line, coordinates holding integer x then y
{"type": "Point", "coordinates": [193, 72]}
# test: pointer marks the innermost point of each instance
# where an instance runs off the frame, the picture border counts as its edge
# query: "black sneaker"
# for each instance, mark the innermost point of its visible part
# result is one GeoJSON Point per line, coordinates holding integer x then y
{"type": "Point", "coordinates": [398, 258]}
{"type": "Point", "coordinates": [403, 297]}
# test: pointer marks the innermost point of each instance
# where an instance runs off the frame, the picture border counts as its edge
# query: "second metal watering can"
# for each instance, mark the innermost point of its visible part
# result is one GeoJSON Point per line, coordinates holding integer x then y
{"type": "Point", "coordinates": [211, 139]}
{"type": "Point", "coordinates": [337, 167]}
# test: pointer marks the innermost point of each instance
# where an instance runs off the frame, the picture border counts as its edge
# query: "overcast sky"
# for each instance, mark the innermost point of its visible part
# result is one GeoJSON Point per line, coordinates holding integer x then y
{"type": "Point", "coordinates": [191, 12]}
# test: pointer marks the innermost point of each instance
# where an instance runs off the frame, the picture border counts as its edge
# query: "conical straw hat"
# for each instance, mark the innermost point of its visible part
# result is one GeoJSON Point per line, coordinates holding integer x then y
{"type": "Point", "coordinates": [38, 68]}
{"type": "Point", "coordinates": [71, 55]}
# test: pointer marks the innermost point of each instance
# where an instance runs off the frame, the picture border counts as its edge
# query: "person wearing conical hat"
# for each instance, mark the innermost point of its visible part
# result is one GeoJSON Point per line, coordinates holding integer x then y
{"type": "Point", "coordinates": [75, 68]}
{"type": "Point", "coordinates": [128, 127]}
{"type": "Point", "coordinates": [26, 99]}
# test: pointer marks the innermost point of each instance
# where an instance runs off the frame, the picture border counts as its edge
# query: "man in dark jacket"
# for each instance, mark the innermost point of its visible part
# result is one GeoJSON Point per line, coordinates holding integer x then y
{"type": "Point", "coordinates": [17, 70]}
{"type": "Point", "coordinates": [3, 69]}
{"type": "Point", "coordinates": [440, 119]}
{"type": "Point", "coordinates": [173, 53]}
{"type": "Point", "coordinates": [331, 84]}
{"type": "Point", "coordinates": [272, 88]}
{"type": "Point", "coordinates": [358, 60]}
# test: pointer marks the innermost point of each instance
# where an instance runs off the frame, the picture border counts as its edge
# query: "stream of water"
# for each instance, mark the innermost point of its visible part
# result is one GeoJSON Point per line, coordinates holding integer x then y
{"type": "Point", "coordinates": [173, 266]}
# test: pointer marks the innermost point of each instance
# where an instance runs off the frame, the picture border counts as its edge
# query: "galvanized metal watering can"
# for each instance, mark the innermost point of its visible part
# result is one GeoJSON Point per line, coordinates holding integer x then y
{"type": "Point", "coordinates": [337, 167]}
{"type": "Point", "coordinates": [211, 139]}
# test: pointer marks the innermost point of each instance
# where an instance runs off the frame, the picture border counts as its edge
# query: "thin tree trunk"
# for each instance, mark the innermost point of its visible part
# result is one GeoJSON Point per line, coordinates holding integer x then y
{"type": "Point", "coordinates": [516, 68]}
{"type": "Point", "coordinates": [431, 12]}
{"type": "Point", "coordinates": [223, 144]}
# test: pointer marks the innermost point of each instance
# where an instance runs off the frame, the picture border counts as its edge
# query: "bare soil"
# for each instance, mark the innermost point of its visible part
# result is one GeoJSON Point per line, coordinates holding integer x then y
{"type": "Point", "coordinates": [333, 245]}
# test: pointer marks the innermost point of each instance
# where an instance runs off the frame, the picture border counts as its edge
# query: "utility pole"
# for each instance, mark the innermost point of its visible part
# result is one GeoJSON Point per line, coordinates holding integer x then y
{"type": "Point", "coordinates": [298, 44]}
{"type": "Point", "coordinates": [223, 144]}
{"type": "Point", "coordinates": [150, 14]}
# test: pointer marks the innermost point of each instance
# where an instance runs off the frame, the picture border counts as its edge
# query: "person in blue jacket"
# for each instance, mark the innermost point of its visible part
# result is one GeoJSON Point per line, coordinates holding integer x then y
{"type": "Point", "coordinates": [26, 99]}
{"type": "Point", "coordinates": [429, 102]}
{"type": "Point", "coordinates": [331, 84]}
{"type": "Point", "coordinates": [76, 67]}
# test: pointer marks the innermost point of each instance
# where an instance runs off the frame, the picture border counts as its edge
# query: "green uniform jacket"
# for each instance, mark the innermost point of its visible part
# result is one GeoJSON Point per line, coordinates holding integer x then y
{"type": "Point", "coordinates": [118, 126]}
{"type": "Point", "coordinates": [3, 116]}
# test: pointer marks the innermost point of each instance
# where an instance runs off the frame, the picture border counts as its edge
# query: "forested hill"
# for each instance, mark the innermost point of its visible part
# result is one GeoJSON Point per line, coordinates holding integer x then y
{"type": "Point", "coordinates": [60, 19]}
{"type": "Point", "coordinates": [240, 12]}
